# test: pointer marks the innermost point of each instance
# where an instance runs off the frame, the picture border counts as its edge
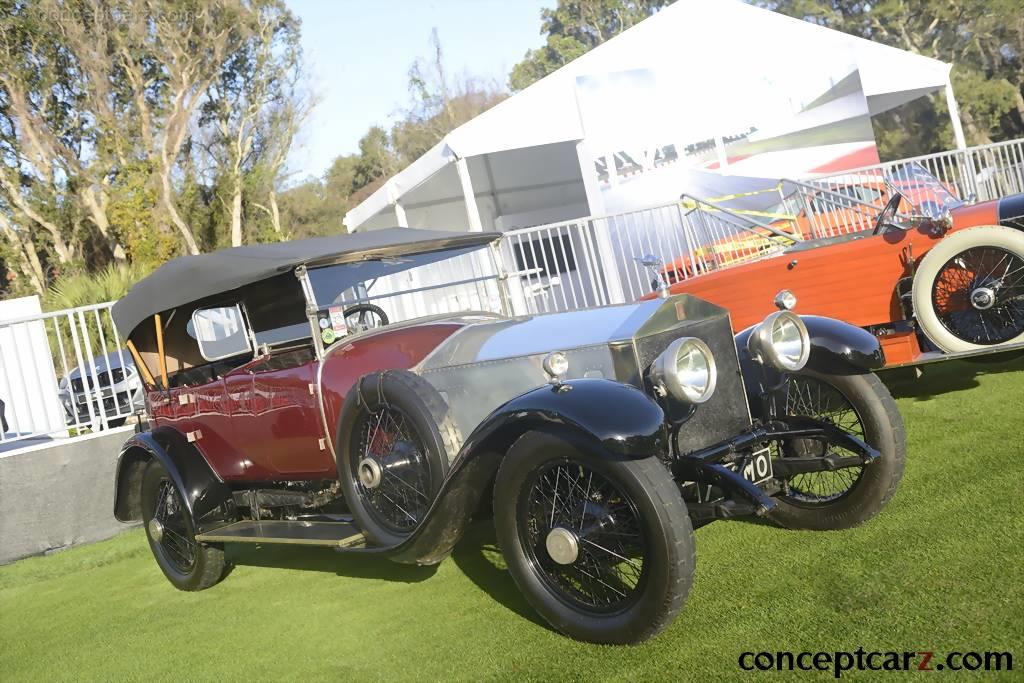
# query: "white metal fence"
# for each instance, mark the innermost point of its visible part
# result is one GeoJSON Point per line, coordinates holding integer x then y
{"type": "Point", "coordinates": [984, 172]}
{"type": "Point", "coordinates": [596, 261]}
{"type": "Point", "coordinates": [468, 282]}
{"type": "Point", "coordinates": [65, 372]}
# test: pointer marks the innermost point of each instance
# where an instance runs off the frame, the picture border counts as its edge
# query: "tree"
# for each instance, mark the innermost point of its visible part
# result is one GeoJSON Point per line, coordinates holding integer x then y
{"type": "Point", "coordinates": [439, 103]}
{"type": "Point", "coordinates": [100, 104]}
{"type": "Point", "coordinates": [254, 106]}
{"type": "Point", "coordinates": [984, 40]}
{"type": "Point", "coordinates": [575, 27]}
{"type": "Point", "coordinates": [91, 89]}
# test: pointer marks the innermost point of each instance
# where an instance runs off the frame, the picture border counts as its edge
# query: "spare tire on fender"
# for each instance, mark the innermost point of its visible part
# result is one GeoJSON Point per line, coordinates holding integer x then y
{"type": "Point", "coordinates": [396, 440]}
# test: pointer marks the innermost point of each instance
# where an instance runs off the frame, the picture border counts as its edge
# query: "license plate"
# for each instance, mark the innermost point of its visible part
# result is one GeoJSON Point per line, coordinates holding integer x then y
{"type": "Point", "coordinates": [759, 469]}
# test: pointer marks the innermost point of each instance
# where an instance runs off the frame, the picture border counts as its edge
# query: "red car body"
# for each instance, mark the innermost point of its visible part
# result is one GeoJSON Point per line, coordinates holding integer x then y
{"type": "Point", "coordinates": [258, 423]}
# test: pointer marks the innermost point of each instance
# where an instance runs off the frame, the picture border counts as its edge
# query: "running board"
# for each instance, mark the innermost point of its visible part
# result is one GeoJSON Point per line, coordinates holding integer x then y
{"type": "Point", "coordinates": [330, 534]}
{"type": "Point", "coordinates": [939, 356]}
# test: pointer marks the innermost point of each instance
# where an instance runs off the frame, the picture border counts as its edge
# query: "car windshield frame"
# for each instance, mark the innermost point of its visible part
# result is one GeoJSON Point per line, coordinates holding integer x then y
{"type": "Point", "coordinates": [925, 193]}
{"type": "Point", "coordinates": [330, 283]}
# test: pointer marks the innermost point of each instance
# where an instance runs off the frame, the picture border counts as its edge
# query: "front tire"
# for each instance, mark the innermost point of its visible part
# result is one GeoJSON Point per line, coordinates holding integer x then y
{"type": "Point", "coordinates": [969, 290]}
{"type": "Point", "coordinates": [603, 549]}
{"type": "Point", "coordinates": [840, 499]}
{"type": "Point", "coordinates": [188, 564]}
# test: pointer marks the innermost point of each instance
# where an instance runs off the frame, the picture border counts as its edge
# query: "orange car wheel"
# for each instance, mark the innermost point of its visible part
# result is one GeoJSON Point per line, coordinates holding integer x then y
{"type": "Point", "coordinates": [969, 290]}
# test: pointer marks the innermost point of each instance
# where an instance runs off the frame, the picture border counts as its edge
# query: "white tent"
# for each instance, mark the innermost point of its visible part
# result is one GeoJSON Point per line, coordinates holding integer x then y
{"type": "Point", "coordinates": [529, 160]}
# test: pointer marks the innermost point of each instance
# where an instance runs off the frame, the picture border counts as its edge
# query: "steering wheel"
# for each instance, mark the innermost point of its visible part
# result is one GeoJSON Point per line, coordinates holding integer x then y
{"type": "Point", "coordinates": [884, 220]}
{"type": "Point", "coordinates": [367, 317]}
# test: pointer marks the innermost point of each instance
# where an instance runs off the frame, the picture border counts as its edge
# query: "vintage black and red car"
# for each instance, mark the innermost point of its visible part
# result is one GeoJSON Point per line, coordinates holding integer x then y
{"type": "Point", "coordinates": [599, 438]}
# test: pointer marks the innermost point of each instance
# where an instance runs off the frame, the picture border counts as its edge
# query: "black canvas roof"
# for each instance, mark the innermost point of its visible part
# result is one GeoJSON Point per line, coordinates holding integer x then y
{"type": "Point", "coordinates": [190, 278]}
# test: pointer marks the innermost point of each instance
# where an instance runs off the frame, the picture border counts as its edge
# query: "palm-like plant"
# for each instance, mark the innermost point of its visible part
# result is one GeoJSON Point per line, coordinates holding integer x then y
{"type": "Point", "coordinates": [83, 289]}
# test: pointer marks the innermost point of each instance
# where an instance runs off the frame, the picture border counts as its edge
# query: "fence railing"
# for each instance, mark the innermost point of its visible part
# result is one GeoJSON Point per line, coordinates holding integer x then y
{"type": "Point", "coordinates": [468, 282]}
{"type": "Point", "coordinates": [65, 372]}
{"type": "Point", "coordinates": [596, 261]}
{"type": "Point", "coordinates": [984, 172]}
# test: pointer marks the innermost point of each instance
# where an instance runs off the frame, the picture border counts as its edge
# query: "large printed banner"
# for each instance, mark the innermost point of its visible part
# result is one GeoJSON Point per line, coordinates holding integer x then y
{"type": "Point", "coordinates": [654, 131]}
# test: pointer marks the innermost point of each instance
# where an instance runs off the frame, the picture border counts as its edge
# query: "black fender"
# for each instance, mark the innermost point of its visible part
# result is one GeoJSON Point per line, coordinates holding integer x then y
{"type": "Point", "coordinates": [606, 418]}
{"type": "Point", "coordinates": [1011, 211]}
{"type": "Point", "coordinates": [206, 496]}
{"type": "Point", "coordinates": [837, 348]}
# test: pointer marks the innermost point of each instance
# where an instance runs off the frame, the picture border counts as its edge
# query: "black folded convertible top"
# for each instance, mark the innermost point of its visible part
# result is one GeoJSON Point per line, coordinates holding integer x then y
{"type": "Point", "coordinates": [190, 278]}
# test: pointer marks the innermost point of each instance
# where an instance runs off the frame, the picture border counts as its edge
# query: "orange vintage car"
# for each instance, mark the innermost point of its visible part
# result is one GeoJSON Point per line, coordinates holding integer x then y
{"type": "Point", "coordinates": [944, 280]}
{"type": "Point", "coordinates": [809, 212]}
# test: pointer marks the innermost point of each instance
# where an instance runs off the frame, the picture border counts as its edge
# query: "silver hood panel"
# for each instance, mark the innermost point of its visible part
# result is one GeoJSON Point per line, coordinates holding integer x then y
{"type": "Point", "coordinates": [487, 363]}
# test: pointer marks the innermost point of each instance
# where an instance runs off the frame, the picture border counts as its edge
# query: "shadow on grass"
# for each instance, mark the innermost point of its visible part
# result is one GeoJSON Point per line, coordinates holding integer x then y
{"type": "Point", "coordinates": [949, 376]}
{"type": "Point", "coordinates": [473, 555]}
{"type": "Point", "coordinates": [476, 555]}
{"type": "Point", "coordinates": [350, 565]}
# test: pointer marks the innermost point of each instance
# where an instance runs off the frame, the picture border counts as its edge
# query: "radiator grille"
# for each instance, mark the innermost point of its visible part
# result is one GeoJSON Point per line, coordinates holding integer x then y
{"type": "Point", "coordinates": [726, 413]}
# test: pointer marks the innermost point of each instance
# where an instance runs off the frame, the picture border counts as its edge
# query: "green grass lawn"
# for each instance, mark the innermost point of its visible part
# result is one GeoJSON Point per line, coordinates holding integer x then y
{"type": "Point", "coordinates": [941, 569]}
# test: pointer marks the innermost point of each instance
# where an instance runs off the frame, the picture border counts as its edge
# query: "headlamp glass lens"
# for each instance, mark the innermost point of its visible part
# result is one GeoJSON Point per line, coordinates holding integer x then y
{"type": "Point", "coordinates": [694, 371]}
{"type": "Point", "coordinates": [787, 341]}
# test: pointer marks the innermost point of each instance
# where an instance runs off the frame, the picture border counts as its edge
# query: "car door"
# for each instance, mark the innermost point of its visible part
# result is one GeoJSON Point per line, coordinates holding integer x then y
{"type": "Point", "coordinates": [276, 417]}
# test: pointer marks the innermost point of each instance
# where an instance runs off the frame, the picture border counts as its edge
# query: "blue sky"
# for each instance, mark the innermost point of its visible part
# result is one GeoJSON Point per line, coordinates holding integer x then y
{"type": "Point", "coordinates": [359, 52]}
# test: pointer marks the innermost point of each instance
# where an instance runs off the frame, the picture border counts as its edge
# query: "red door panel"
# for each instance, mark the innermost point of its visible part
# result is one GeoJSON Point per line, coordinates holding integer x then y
{"type": "Point", "coordinates": [275, 421]}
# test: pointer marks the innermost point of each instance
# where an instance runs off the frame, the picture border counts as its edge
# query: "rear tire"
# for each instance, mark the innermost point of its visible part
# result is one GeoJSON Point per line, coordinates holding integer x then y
{"type": "Point", "coordinates": [946, 282]}
{"type": "Point", "coordinates": [634, 535]}
{"type": "Point", "coordinates": [188, 564]}
{"type": "Point", "coordinates": [841, 499]}
{"type": "Point", "coordinates": [396, 440]}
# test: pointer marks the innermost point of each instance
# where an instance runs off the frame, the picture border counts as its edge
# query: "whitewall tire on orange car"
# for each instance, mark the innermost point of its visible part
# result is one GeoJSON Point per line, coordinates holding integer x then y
{"type": "Point", "coordinates": [969, 290]}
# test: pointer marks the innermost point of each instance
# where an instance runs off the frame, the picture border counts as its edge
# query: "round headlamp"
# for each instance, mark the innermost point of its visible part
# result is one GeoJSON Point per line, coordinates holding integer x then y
{"type": "Point", "coordinates": [781, 341]}
{"type": "Point", "coordinates": [685, 370]}
{"type": "Point", "coordinates": [555, 365]}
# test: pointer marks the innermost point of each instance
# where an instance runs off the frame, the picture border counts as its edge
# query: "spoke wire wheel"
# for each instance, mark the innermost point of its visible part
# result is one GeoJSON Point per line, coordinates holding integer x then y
{"type": "Point", "coordinates": [603, 572]}
{"type": "Point", "coordinates": [601, 547]}
{"type": "Point", "coordinates": [169, 528]}
{"type": "Point", "coordinates": [968, 290]}
{"type": "Point", "coordinates": [979, 295]}
{"type": "Point", "coordinates": [188, 564]}
{"type": "Point", "coordinates": [397, 439]}
{"type": "Point", "coordinates": [811, 397]}
{"type": "Point", "coordinates": [392, 473]}
{"type": "Point", "coordinates": [841, 499]}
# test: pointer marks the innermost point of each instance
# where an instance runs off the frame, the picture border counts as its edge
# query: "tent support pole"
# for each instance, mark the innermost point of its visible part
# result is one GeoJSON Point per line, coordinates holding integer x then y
{"type": "Point", "coordinates": [598, 227]}
{"type": "Point", "coordinates": [591, 187]}
{"type": "Point", "coordinates": [954, 115]}
{"type": "Point", "coordinates": [723, 156]}
{"type": "Point", "coordinates": [472, 210]}
{"type": "Point", "coordinates": [400, 217]}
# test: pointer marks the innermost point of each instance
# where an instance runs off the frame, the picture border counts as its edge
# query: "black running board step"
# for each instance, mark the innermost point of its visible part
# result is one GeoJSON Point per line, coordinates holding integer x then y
{"type": "Point", "coordinates": [939, 356]}
{"type": "Point", "coordinates": [331, 534]}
